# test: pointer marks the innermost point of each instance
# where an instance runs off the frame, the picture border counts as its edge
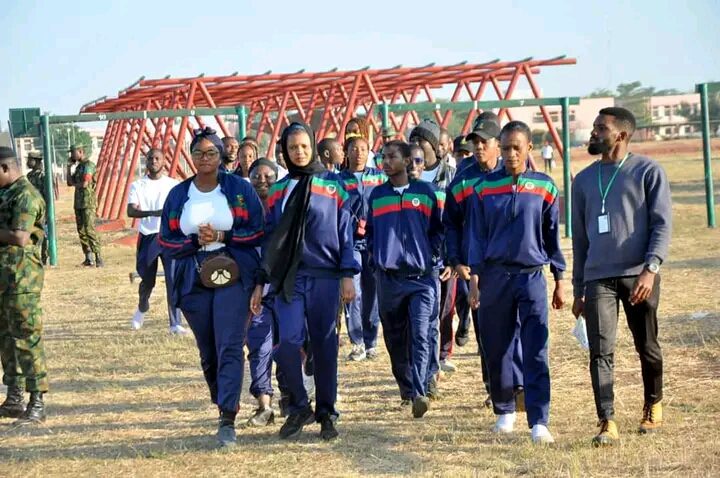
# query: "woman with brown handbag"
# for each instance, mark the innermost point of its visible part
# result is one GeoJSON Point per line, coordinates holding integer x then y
{"type": "Point", "coordinates": [211, 224]}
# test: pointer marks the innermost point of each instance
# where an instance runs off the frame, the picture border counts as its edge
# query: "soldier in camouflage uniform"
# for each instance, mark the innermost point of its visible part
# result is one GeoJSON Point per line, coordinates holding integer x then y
{"type": "Point", "coordinates": [22, 215]}
{"type": "Point", "coordinates": [83, 179]}
{"type": "Point", "coordinates": [36, 176]}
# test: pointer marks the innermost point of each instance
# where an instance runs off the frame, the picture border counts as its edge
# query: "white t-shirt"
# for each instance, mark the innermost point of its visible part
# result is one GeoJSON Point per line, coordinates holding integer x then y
{"type": "Point", "coordinates": [291, 185]}
{"type": "Point", "coordinates": [150, 195]}
{"type": "Point", "coordinates": [401, 189]}
{"type": "Point", "coordinates": [206, 208]}
{"type": "Point", "coordinates": [429, 176]}
{"type": "Point", "coordinates": [282, 172]}
{"type": "Point", "coordinates": [547, 152]}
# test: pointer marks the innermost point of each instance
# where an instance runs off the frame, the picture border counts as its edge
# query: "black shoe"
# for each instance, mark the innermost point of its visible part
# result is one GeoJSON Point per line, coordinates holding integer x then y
{"type": "Point", "coordinates": [284, 404]}
{"type": "Point", "coordinates": [462, 338]}
{"type": "Point", "coordinates": [294, 424]}
{"type": "Point", "coordinates": [226, 436]}
{"type": "Point", "coordinates": [14, 404]}
{"type": "Point", "coordinates": [406, 402]}
{"type": "Point", "coordinates": [420, 406]}
{"type": "Point", "coordinates": [99, 262]}
{"type": "Point", "coordinates": [433, 393]}
{"type": "Point", "coordinates": [262, 417]}
{"type": "Point", "coordinates": [327, 428]}
{"type": "Point", "coordinates": [35, 411]}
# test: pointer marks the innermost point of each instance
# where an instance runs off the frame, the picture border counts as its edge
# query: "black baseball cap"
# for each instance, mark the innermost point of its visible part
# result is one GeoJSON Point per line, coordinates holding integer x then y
{"type": "Point", "coordinates": [486, 126]}
{"type": "Point", "coordinates": [461, 144]}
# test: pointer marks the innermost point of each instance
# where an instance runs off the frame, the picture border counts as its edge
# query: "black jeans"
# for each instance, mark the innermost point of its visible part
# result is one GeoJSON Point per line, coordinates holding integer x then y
{"type": "Point", "coordinates": [602, 299]}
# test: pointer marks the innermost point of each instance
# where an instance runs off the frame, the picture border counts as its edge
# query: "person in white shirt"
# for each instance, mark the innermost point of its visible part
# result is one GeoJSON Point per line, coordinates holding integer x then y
{"type": "Point", "coordinates": [547, 154]}
{"type": "Point", "coordinates": [145, 202]}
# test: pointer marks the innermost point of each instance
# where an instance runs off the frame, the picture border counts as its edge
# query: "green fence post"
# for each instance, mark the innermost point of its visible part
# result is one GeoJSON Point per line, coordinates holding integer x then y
{"type": "Point", "coordinates": [242, 121]}
{"type": "Point", "coordinates": [385, 115]}
{"type": "Point", "coordinates": [567, 182]}
{"type": "Point", "coordinates": [49, 171]}
{"type": "Point", "coordinates": [709, 194]}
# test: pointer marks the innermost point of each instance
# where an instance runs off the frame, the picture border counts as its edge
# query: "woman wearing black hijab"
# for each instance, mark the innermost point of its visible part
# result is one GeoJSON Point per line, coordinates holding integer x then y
{"type": "Point", "coordinates": [308, 260]}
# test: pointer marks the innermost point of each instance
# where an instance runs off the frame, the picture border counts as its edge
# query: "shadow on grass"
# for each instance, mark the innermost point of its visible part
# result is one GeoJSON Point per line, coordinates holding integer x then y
{"type": "Point", "coordinates": [698, 263]}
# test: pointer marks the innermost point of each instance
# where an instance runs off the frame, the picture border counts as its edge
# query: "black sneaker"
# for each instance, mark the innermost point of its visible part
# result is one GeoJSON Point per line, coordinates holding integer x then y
{"type": "Point", "coordinates": [226, 437]}
{"type": "Point", "coordinates": [420, 406]}
{"type": "Point", "coordinates": [327, 428]}
{"type": "Point", "coordinates": [432, 392]}
{"type": "Point", "coordinates": [99, 262]}
{"type": "Point", "coordinates": [294, 424]}
{"type": "Point", "coordinates": [462, 337]}
{"type": "Point", "coordinates": [284, 404]}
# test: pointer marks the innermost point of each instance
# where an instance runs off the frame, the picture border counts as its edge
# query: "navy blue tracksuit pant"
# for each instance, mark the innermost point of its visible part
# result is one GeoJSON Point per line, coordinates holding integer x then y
{"type": "Point", "coordinates": [146, 264]}
{"type": "Point", "coordinates": [406, 306]}
{"type": "Point", "coordinates": [434, 331]}
{"type": "Point", "coordinates": [512, 300]}
{"type": "Point", "coordinates": [262, 337]}
{"type": "Point", "coordinates": [312, 311]}
{"type": "Point", "coordinates": [218, 318]}
{"type": "Point", "coordinates": [362, 314]}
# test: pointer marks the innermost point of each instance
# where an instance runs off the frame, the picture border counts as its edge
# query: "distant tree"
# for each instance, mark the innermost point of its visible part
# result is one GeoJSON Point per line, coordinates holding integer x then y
{"type": "Point", "coordinates": [64, 136]}
{"type": "Point", "coordinates": [601, 93]}
{"type": "Point", "coordinates": [693, 113]}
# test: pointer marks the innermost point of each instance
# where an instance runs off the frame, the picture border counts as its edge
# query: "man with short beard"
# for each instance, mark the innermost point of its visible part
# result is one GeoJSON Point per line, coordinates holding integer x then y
{"type": "Point", "coordinates": [621, 224]}
{"type": "Point", "coordinates": [231, 146]}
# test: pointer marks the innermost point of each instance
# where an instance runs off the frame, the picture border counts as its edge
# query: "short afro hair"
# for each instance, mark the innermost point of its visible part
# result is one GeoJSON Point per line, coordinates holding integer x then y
{"type": "Point", "coordinates": [519, 127]}
{"type": "Point", "coordinates": [624, 118]}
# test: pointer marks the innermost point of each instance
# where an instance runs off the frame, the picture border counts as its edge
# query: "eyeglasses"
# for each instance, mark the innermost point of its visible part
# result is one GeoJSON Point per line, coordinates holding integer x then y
{"type": "Point", "coordinates": [419, 160]}
{"type": "Point", "coordinates": [211, 154]}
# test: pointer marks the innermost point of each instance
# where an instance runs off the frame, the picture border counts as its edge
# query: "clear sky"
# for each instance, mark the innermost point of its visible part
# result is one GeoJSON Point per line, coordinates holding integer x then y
{"type": "Point", "coordinates": [58, 55]}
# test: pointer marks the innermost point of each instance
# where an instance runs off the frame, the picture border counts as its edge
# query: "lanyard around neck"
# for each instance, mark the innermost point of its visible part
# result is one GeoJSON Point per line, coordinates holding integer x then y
{"type": "Point", "coordinates": [604, 193]}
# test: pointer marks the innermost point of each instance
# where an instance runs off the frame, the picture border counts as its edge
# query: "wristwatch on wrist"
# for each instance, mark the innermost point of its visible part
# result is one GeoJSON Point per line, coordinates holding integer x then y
{"type": "Point", "coordinates": [653, 267]}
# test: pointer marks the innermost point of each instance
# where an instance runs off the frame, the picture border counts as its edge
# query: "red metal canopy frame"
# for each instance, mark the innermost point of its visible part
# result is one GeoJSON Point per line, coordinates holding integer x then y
{"type": "Point", "coordinates": [327, 100]}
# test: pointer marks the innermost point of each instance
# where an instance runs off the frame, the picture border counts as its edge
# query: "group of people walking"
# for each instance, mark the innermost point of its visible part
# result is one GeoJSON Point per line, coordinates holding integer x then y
{"type": "Point", "coordinates": [264, 253]}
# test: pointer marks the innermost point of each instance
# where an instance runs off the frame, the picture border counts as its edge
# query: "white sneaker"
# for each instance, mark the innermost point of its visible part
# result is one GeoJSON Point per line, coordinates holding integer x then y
{"type": "Point", "coordinates": [309, 384]}
{"type": "Point", "coordinates": [505, 423]}
{"type": "Point", "coordinates": [137, 320]}
{"type": "Point", "coordinates": [178, 330]}
{"type": "Point", "coordinates": [357, 353]}
{"type": "Point", "coordinates": [541, 435]}
{"type": "Point", "coordinates": [447, 366]}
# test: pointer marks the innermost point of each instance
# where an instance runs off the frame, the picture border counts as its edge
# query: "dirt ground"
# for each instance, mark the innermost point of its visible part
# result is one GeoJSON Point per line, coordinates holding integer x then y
{"type": "Point", "coordinates": [135, 403]}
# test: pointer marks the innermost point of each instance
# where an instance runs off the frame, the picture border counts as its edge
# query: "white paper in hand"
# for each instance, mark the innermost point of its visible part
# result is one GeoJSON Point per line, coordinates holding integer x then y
{"type": "Point", "coordinates": [580, 333]}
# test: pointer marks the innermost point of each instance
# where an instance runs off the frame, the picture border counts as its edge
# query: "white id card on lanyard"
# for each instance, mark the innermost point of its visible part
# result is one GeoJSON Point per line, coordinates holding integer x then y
{"type": "Point", "coordinates": [603, 224]}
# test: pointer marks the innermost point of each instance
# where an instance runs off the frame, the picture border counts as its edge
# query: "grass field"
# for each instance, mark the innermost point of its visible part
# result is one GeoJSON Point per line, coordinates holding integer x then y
{"type": "Point", "coordinates": [135, 403]}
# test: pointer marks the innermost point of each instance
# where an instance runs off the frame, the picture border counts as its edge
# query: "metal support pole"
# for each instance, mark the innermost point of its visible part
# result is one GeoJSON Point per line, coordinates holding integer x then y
{"type": "Point", "coordinates": [567, 184]}
{"type": "Point", "coordinates": [385, 112]}
{"type": "Point", "coordinates": [52, 237]}
{"type": "Point", "coordinates": [709, 194]}
{"type": "Point", "coordinates": [242, 115]}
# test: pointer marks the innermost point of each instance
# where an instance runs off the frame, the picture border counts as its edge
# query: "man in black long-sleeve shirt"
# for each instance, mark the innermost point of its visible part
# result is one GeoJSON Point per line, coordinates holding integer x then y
{"type": "Point", "coordinates": [621, 227]}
